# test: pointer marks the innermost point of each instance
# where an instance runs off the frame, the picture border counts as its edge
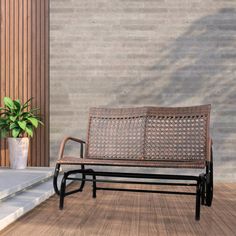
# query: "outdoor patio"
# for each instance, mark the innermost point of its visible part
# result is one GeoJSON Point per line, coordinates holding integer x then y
{"type": "Point", "coordinates": [131, 214]}
{"type": "Point", "coordinates": [160, 77]}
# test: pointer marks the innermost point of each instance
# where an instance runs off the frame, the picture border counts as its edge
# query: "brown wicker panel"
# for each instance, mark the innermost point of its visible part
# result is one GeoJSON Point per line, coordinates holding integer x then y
{"type": "Point", "coordinates": [150, 134]}
{"type": "Point", "coordinates": [177, 133]}
{"type": "Point", "coordinates": [118, 112]}
{"type": "Point", "coordinates": [116, 138]}
{"type": "Point", "coordinates": [181, 138]}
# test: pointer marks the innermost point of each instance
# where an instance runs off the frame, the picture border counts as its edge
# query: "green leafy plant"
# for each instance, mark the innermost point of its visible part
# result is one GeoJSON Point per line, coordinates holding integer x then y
{"type": "Point", "coordinates": [17, 119]}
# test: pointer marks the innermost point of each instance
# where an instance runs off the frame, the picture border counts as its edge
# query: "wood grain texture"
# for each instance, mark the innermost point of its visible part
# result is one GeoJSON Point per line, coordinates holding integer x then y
{"type": "Point", "coordinates": [24, 60]}
{"type": "Point", "coordinates": [130, 214]}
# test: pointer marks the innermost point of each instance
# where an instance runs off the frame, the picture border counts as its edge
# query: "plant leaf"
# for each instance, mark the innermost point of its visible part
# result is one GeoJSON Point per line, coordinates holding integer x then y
{"type": "Point", "coordinates": [26, 104]}
{"type": "Point", "coordinates": [13, 118]}
{"type": "Point", "coordinates": [16, 132]}
{"type": "Point", "coordinates": [17, 105]}
{"type": "Point", "coordinates": [8, 102]}
{"type": "Point", "coordinates": [17, 119]}
{"type": "Point", "coordinates": [34, 121]}
{"type": "Point", "coordinates": [22, 124]}
{"type": "Point", "coordinates": [3, 122]}
{"type": "Point", "coordinates": [29, 131]}
{"type": "Point", "coordinates": [24, 115]}
{"type": "Point", "coordinates": [13, 126]}
{"type": "Point", "coordinates": [5, 113]}
{"type": "Point", "coordinates": [40, 122]}
{"type": "Point", "coordinates": [34, 111]}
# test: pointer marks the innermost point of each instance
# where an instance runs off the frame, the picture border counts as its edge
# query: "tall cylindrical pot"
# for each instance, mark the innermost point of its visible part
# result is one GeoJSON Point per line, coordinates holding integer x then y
{"type": "Point", "coordinates": [18, 152]}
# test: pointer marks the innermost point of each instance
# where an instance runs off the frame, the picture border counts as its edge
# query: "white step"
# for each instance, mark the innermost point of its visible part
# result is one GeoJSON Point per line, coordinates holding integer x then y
{"type": "Point", "coordinates": [13, 181]}
{"type": "Point", "coordinates": [14, 207]}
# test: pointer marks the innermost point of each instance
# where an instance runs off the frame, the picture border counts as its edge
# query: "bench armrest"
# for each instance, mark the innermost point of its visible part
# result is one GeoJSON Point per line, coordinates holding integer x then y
{"type": "Point", "coordinates": [63, 143]}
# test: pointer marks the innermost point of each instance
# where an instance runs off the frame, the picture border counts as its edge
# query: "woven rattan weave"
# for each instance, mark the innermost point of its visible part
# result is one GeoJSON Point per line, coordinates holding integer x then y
{"type": "Point", "coordinates": [150, 134]}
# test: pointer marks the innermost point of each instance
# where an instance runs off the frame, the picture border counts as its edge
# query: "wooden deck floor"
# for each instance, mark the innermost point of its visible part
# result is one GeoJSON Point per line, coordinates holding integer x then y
{"type": "Point", "coordinates": [130, 214]}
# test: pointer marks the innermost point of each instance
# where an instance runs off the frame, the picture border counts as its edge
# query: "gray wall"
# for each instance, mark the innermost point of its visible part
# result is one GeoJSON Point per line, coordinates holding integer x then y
{"type": "Point", "coordinates": [144, 52]}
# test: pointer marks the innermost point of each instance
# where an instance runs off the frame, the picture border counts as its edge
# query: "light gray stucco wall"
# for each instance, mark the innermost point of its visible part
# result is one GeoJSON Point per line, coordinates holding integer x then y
{"type": "Point", "coordinates": [144, 52]}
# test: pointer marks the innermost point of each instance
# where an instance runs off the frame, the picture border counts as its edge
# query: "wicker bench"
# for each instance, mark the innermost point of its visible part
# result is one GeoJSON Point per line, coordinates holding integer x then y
{"type": "Point", "coordinates": [152, 137]}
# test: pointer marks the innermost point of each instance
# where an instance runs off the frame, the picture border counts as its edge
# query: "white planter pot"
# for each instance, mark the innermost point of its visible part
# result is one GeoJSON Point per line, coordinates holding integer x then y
{"type": "Point", "coordinates": [18, 152]}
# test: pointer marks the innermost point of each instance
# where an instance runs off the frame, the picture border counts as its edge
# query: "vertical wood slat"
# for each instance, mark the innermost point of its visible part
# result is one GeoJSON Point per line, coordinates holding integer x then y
{"type": "Point", "coordinates": [20, 49]}
{"type": "Point", "coordinates": [33, 71]}
{"type": "Point", "coordinates": [38, 75]}
{"type": "Point", "coordinates": [46, 81]}
{"type": "Point", "coordinates": [7, 76]}
{"type": "Point", "coordinates": [3, 68]}
{"type": "Point", "coordinates": [24, 58]}
{"type": "Point", "coordinates": [29, 62]}
{"type": "Point", "coordinates": [16, 26]}
{"type": "Point", "coordinates": [42, 94]}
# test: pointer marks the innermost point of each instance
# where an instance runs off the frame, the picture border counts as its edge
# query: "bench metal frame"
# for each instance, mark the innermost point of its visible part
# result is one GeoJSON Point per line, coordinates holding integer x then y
{"type": "Point", "coordinates": [203, 183]}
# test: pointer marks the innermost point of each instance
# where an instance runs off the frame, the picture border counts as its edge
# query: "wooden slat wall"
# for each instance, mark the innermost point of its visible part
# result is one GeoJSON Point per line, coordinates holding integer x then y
{"type": "Point", "coordinates": [24, 66]}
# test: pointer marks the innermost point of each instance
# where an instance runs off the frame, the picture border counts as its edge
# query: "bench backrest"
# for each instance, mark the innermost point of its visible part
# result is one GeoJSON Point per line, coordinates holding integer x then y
{"type": "Point", "coordinates": [150, 133]}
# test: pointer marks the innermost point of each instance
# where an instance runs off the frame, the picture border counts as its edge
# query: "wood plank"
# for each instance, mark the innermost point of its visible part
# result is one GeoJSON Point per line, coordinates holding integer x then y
{"type": "Point", "coordinates": [34, 71]}
{"type": "Point", "coordinates": [131, 214]}
{"type": "Point", "coordinates": [24, 66]}
{"type": "Point", "coordinates": [3, 71]}
{"type": "Point", "coordinates": [15, 25]}
{"type": "Point", "coordinates": [38, 77]}
{"type": "Point", "coordinates": [42, 81]}
{"type": "Point", "coordinates": [25, 50]}
{"type": "Point", "coordinates": [0, 72]}
{"type": "Point", "coordinates": [11, 49]}
{"type": "Point", "coordinates": [7, 65]}
{"type": "Point", "coordinates": [29, 65]}
{"type": "Point", "coordinates": [46, 85]}
{"type": "Point", "coordinates": [21, 54]}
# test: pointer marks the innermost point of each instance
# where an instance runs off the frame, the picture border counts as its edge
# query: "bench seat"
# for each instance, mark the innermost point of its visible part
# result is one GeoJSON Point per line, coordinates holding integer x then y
{"type": "Point", "coordinates": [70, 160]}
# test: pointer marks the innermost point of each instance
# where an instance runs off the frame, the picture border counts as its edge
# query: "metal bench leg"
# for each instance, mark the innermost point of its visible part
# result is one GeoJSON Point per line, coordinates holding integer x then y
{"type": "Point", "coordinates": [94, 186]}
{"type": "Point", "coordinates": [203, 188]}
{"type": "Point", "coordinates": [198, 201]}
{"type": "Point", "coordinates": [203, 192]}
{"type": "Point", "coordinates": [56, 173]}
{"type": "Point", "coordinates": [83, 181]}
{"type": "Point", "coordinates": [209, 184]}
{"type": "Point", "coordinates": [55, 178]}
{"type": "Point", "coordinates": [62, 192]}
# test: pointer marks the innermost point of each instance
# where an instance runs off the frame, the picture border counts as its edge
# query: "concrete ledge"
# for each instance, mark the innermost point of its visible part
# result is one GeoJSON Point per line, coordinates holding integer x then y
{"type": "Point", "coordinates": [13, 181]}
{"type": "Point", "coordinates": [13, 208]}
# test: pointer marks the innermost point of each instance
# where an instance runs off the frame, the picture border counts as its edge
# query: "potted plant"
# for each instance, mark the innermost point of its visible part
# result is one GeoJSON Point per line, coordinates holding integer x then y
{"type": "Point", "coordinates": [16, 121]}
